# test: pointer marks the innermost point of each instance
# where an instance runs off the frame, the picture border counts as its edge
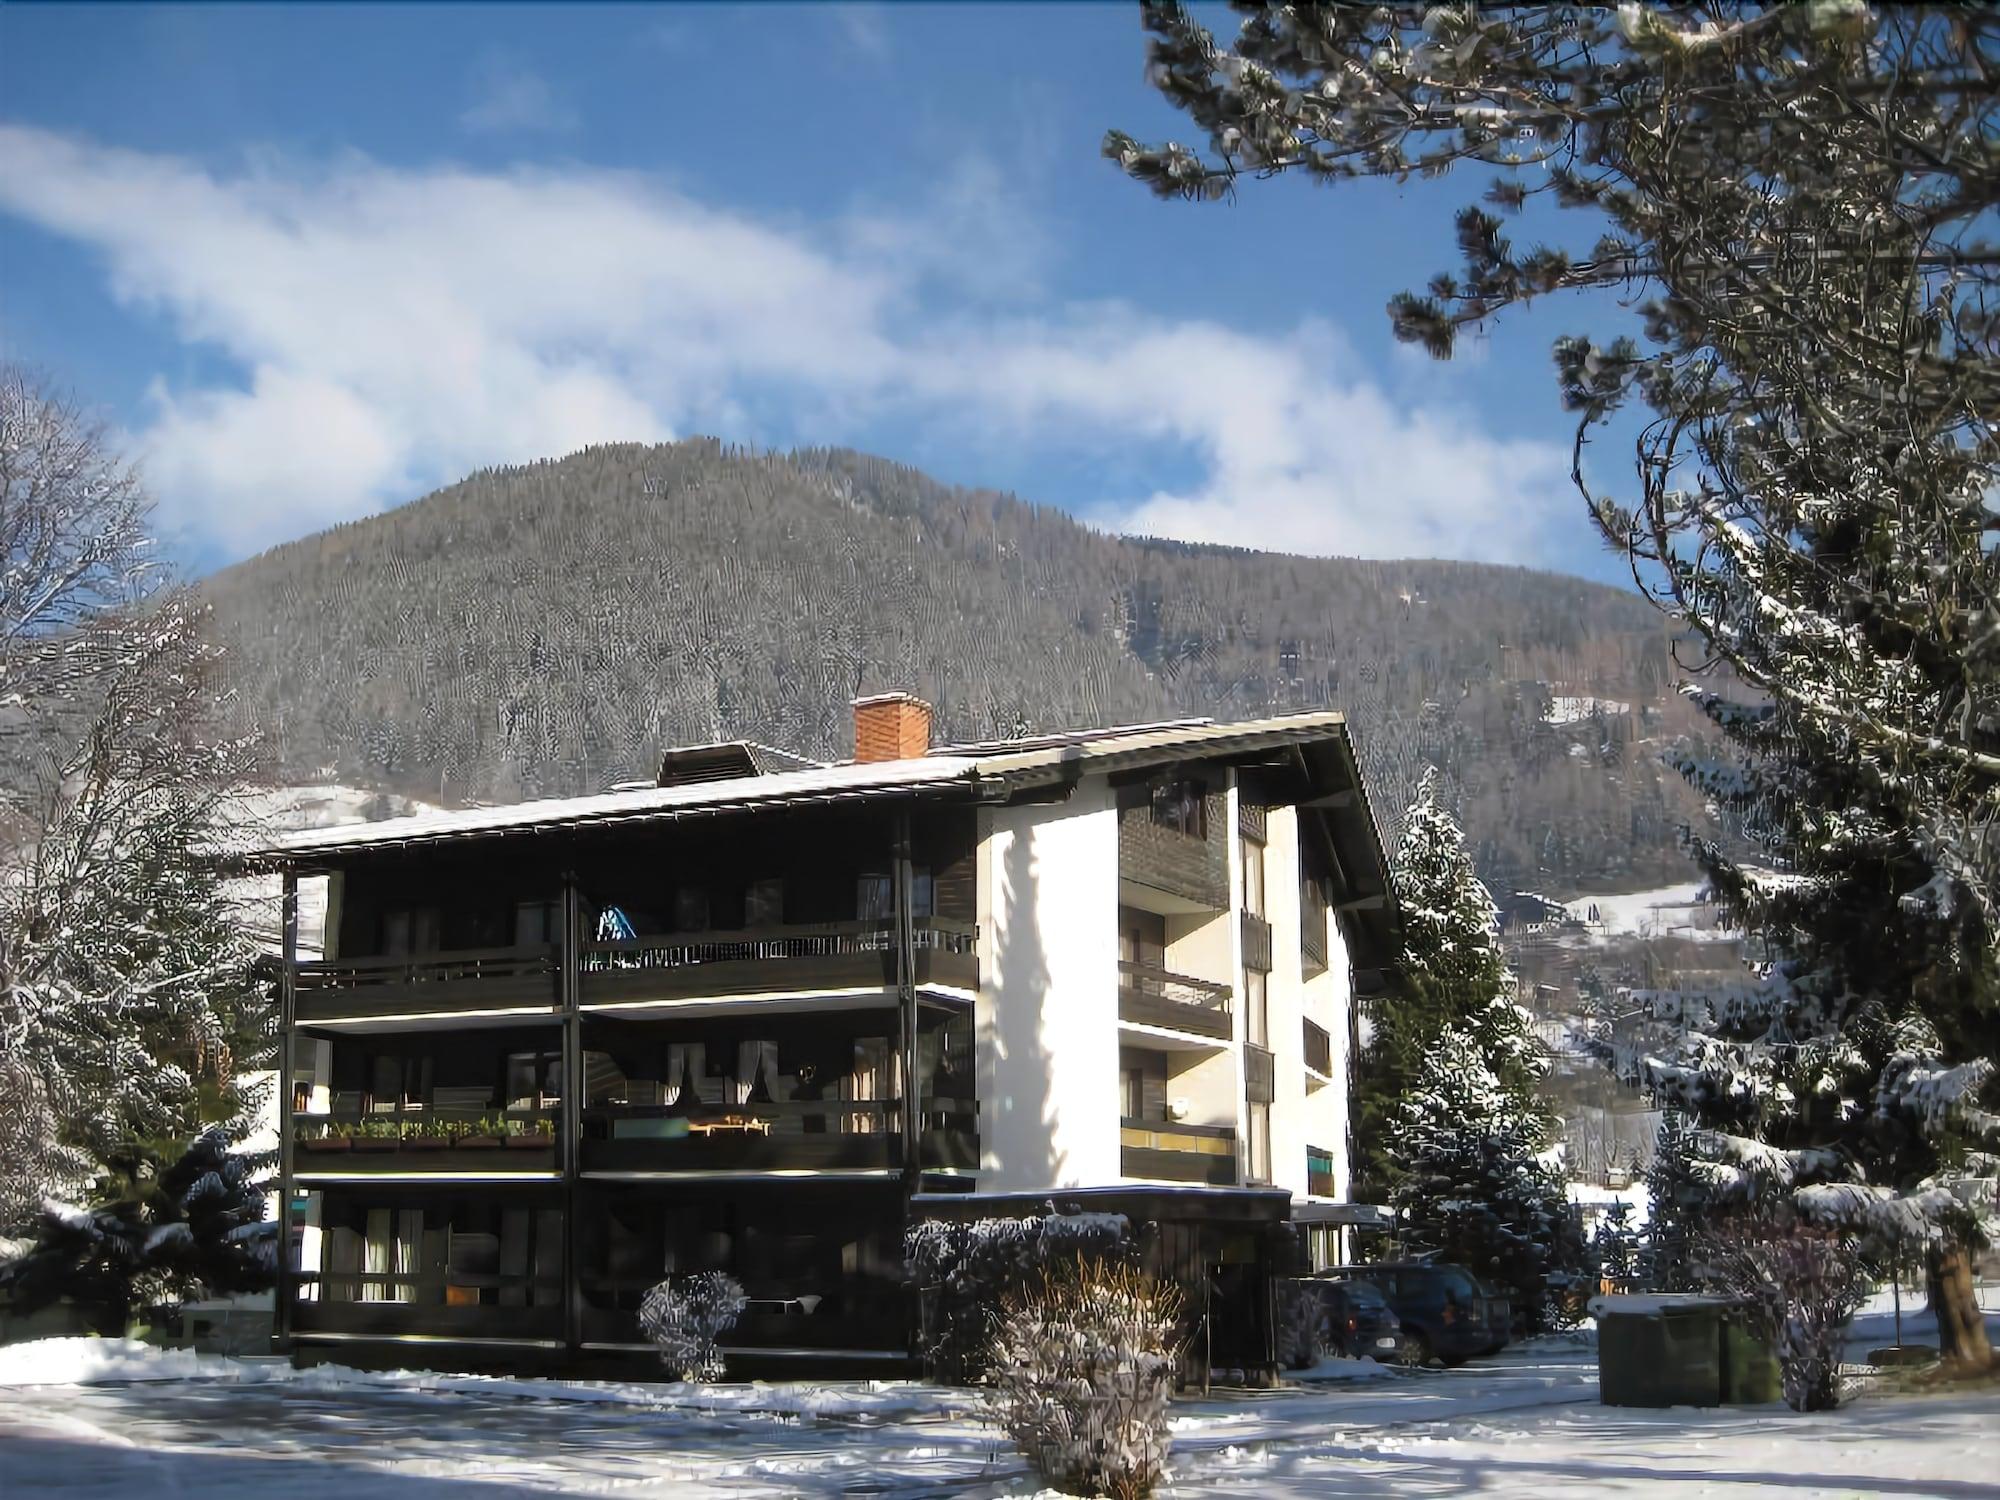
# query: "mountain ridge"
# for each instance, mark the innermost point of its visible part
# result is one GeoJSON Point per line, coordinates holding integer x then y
{"type": "Point", "coordinates": [545, 628]}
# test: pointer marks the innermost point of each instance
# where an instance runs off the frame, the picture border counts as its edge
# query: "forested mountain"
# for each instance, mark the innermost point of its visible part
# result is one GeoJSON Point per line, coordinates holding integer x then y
{"type": "Point", "coordinates": [548, 629]}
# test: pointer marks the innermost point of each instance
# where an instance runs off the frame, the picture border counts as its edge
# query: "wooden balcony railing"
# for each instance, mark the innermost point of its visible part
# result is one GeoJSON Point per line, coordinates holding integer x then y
{"type": "Point", "coordinates": [1259, 1074]}
{"type": "Point", "coordinates": [831, 1135]}
{"type": "Point", "coordinates": [434, 1304]}
{"type": "Point", "coordinates": [1256, 942]}
{"type": "Point", "coordinates": [1152, 996]}
{"type": "Point", "coordinates": [470, 979]}
{"type": "Point", "coordinates": [1178, 1153]}
{"type": "Point", "coordinates": [832, 954]}
{"type": "Point", "coordinates": [1312, 929]}
{"type": "Point", "coordinates": [1319, 1050]}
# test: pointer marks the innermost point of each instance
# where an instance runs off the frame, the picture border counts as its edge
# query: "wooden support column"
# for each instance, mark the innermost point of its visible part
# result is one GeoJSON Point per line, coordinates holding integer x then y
{"type": "Point", "coordinates": [906, 995]}
{"type": "Point", "coordinates": [569, 961]}
{"type": "Point", "coordinates": [288, 981]}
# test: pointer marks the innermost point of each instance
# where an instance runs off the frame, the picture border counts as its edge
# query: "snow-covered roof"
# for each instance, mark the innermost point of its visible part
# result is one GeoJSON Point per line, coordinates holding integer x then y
{"type": "Point", "coordinates": [978, 771]}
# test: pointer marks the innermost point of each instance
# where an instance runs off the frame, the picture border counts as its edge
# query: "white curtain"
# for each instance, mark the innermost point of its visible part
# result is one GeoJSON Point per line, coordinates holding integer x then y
{"type": "Point", "coordinates": [753, 1058]}
{"type": "Point", "coordinates": [681, 1057]}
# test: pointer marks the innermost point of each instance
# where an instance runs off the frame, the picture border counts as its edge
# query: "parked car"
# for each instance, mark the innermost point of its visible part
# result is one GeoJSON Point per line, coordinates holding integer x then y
{"type": "Point", "coordinates": [1446, 1313]}
{"type": "Point", "coordinates": [1350, 1318]}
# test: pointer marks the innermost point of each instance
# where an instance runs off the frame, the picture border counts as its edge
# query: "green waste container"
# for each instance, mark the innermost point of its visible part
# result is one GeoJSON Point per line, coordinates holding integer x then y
{"type": "Point", "coordinates": [1671, 1350]}
{"type": "Point", "coordinates": [1749, 1369]}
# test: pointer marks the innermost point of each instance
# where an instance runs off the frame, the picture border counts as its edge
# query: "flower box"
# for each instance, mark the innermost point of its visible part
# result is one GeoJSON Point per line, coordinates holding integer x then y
{"type": "Point", "coordinates": [541, 1140]}
{"type": "Point", "coordinates": [376, 1143]}
{"type": "Point", "coordinates": [326, 1143]}
{"type": "Point", "coordinates": [477, 1142]}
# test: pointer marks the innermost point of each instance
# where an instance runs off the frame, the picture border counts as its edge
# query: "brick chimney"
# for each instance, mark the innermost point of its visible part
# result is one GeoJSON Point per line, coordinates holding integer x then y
{"type": "Point", "coordinates": [891, 726]}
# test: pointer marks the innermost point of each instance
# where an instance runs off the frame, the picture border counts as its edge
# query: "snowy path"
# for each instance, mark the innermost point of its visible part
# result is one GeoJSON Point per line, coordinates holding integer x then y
{"type": "Point", "coordinates": [1526, 1424]}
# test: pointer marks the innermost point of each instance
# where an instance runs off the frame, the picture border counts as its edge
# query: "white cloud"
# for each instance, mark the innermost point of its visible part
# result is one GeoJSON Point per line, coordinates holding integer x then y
{"type": "Point", "coordinates": [863, 27]}
{"type": "Point", "coordinates": [508, 97]}
{"type": "Point", "coordinates": [394, 328]}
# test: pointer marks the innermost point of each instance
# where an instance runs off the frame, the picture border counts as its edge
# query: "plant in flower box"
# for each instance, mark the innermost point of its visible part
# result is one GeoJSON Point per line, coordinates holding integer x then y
{"type": "Point", "coordinates": [377, 1135]}
{"type": "Point", "coordinates": [482, 1134]}
{"type": "Point", "coordinates": [427, 1135]}
{"type": "Point", "coordinates": [322, 1135]}
{"type": "Point", "coordinates": [530, 1135]}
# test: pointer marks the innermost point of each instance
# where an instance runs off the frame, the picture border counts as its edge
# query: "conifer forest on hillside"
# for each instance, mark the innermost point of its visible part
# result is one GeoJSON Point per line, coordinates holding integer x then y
{"type": "Point", "coordinates": [547, 629]}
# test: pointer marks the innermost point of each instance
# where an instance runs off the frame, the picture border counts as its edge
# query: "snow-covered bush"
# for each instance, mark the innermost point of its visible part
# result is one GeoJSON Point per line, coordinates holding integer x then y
{"type": "Point", "coordinates": [1802, 1284]}
{"type": "Point", "coordinates": [686, 1316]}
{"type": "Point", "coordinates": [1083, 1363]}
{"type": "Point", "coordinates": [965, 1271]}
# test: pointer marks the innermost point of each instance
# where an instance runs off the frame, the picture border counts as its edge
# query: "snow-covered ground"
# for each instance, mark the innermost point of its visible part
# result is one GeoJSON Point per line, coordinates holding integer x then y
{"type": "Point", "coordinates": [1524, 1424]}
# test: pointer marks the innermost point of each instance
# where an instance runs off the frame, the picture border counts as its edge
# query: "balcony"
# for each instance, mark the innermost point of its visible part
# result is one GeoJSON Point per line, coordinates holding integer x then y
{"type": "Point", "coordinates": [1259, 1074]}
{"type": "Point", "coordinates": [794, 1136]}
{"type": "Point", "coordinates": [777, 1320]}
{"type": "Point", "coordinates": [1312, 929]}
{"type": "Point", "coordinates": [1318, 1057]}
{"type": "Point", "coordinates": [444, 1305]}
{"type": "Point", "coordinates": [1319, 1173]}
{"type": "Point", "coordinates": [482, 979]}
{"type": "Point", "coordinates": [1162, 1152]}
{"type": "Point", "coordinates": [793, 959]}
{"type": "Point", "coordinates": [408, 1143]}
{"type": "Point", "coordinates": [1152, 996]}
{"type": "Point", "coordinates": [1256, 942]}
{"type": "Point", "coordinates": [1172, 855]}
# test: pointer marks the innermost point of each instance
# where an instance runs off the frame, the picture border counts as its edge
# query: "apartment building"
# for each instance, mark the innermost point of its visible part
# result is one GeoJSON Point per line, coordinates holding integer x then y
{"type": "Point", "coordinates": [759, 1016]}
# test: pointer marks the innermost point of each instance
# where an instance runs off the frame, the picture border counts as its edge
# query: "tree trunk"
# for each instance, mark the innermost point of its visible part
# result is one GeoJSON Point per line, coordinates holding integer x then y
{"type": "Point", "coordinates": [1962, 1340]}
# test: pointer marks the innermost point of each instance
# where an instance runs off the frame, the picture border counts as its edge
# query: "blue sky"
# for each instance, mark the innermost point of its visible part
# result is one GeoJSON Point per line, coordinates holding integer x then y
{"type": "Point", "coordinates": [315, 261]}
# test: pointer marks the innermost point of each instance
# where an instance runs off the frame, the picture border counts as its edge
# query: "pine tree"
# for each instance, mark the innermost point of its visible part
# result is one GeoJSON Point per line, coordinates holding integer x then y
{"type": "Point", "coordinates": [1812, 251]}
{"type": "Point", "coordinates": [161, 1232]}
{"type": "Point", "coordinates": [1450, 974]}
{"type": "Point", "coordinates": [1616, 1247]}
{"type": "Point", "coordinates": [1472, 1187]}
{"type": "Point", "coordinates": [1676, 1195]}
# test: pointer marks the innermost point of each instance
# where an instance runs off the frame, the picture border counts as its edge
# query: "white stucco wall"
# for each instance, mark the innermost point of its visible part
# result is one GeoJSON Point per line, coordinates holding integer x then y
{"type": "Point", "coordinates": [1048, 994]}
{"type": "Point", "coordinates": [1290, 1120]}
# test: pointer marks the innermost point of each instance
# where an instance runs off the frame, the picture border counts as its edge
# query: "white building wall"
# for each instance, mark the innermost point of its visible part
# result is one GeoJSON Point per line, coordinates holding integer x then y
{"type": "Point", "coordinates": [1047, 1011]}
{"type": "Point", "coordinates": [1291, 1113]}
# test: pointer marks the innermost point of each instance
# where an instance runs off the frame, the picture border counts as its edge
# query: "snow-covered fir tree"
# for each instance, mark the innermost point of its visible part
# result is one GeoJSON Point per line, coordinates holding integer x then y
{"type": "Point", "coordinates": [168, 1231]}
{"type": "Point", "coordinates": [1616, 1247]}
{"type": "Point", "coordinates": [1816, 270]}
{"type": "Point", "coordinates": [128, 1006]}
{"type": "Point", "coordinates": [1473, 1185]}
{"type": "Point", "coordinates": [1451, 974]}
{"type": "Point", "coordinates": [1675, 1196]}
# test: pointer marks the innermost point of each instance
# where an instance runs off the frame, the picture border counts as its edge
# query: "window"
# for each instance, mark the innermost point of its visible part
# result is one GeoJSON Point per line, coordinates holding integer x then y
{"type": "Point", "coordinates": [534, 1079]}
{"type": "Point", "coordinates": [1132, 1095]}
{"type": "Point", "coordinates": [1183, 807]}
{"type": "Point", "coordinates": [537, 923]}
{"type": "Point", "coordinates": [1257, 1007]}
{"type": "Point", "coordinates": [875, 895]}
{"type": "Point", "coordinates": [410, 929]}
{"type": "Point", "coordinates": [1251, 860]}
{"type": "Point", "coordinates": [764, 903]}
{"type": "Point", "coordinates": [691, 908]}
{"type": "Point", "coordinates": [1260, 1142]}
{"type": "Point", "coordinates": [1142, 938]}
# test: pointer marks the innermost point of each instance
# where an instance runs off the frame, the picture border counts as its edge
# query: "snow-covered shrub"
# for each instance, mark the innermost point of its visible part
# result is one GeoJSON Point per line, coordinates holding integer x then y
{"type": "Point", "coordinates": [1303, 1338]}
{"type": "Point", "coordinates": [686, 1315]}
{"type": "Point", "coordinates": [1083, 1363]}
{"type": "Point", "coordinates": [1802, 1284]}
{"type": "Point", "coordinates": [965, 1271]}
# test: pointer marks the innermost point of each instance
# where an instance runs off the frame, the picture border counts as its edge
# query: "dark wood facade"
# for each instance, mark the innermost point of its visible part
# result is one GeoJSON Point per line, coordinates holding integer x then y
{"type": "Point", "coordinates": [533, 1079]}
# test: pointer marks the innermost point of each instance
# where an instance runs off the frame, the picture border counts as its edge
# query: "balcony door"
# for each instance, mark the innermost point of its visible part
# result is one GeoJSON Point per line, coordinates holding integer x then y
{"type": "Point", "coordinates": [1142, 940]}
